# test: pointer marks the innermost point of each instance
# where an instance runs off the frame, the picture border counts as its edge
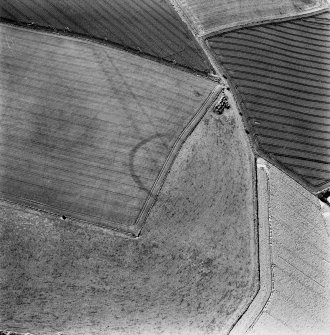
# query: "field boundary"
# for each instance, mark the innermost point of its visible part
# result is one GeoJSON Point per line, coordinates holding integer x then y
{"type": "Point", "coordinates": [157, 185]}
{"type": "Point", "coordinates": [102, 42]}
{"type": "Point", "coordinates": [257, 150]}
{"type": "Point", "coordinates": [123, 225]}
{"type": "Point", "coordinates": [199, 32]}
{"type": "Point", "coordinates": [267, 20]}
{"type": "Point", "coordinates": [27, 204]}
{"type": "Point", "coordinates": [132, 231]}
{"type": "Point", "coordinates": [266, 277]}
{"type": "Point", "coordinates": [185, 18]}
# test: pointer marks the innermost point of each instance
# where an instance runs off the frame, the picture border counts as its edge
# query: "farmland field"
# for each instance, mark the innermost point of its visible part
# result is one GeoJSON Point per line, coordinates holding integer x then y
{"type": "Point", "coordinates": [150, 26]}
{"type": "Point", "coordinates": [282, 76]}
{"type": "Point", "coordinates": [207, 17]}
{"type": "Point", "coordinates": [86, 129]}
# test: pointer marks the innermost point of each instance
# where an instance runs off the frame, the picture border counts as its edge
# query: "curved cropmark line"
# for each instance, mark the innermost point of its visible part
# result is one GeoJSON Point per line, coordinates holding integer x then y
{"type": "Point", "coordinates": [132, 156]}
{"type": "Point", "coordinates": [157, 185]}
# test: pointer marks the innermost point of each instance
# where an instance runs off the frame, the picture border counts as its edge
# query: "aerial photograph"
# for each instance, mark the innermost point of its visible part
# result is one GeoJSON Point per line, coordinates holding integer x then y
{"type": "Point", "coordinates": [164, 167]}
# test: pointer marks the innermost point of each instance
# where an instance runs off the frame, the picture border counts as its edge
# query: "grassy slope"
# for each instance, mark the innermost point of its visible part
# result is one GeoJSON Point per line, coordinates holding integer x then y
{"type": "Point", "coordinates": [210, 16]}
{"type": "Point", "coordinates": [192, 271]}
{"type": "Point", "coordinates": [150, 26]}
{"type": "Point", "coordinates": [281, 72]}
{"type": "Point", "coordinates": [89, 125]}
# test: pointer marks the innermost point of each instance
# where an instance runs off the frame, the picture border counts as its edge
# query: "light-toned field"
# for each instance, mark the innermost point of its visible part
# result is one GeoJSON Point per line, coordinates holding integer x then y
{"type": "Point", "coordinates": [85, 129]}
{"type": "Point", "coordinates": [211, 16]}
{"type": "Point", "coordinates": [299, 302]}
{"type": "Point", "coordinates": [148, 26]}
{"type": "Point", "coordinates": [193, 270]}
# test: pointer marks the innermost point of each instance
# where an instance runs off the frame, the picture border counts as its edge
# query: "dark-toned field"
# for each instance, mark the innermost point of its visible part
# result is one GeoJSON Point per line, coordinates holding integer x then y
{"type": "Point", "coordinates": [211, 16]}
{"type": "Point", "coordinates": [150, 26]}
{"type": "Point", "coordinates": [85, 130]}
{"type": "Point", "coordinates": [282, 76]}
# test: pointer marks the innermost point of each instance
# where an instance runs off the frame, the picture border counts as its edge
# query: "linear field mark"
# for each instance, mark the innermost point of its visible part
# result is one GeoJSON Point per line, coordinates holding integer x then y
{"type": "Point", "coordinates": [85, 130]}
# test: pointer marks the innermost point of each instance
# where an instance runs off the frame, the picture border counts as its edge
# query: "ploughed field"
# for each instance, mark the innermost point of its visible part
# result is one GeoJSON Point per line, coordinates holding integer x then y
{"type": "Point", "coordinates": [208, 17]}
{"type": "Point", "coordinates": [150, 26]}
{"type": "Point", "coordinates": [281, 72]}
{"type": "Point", "coordinates": [85, 129]}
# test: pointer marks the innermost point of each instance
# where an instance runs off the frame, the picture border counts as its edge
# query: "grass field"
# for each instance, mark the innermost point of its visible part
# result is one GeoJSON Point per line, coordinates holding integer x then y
{"type": "Point", "coordinates": [192, 271]}
{"type": "Point", "coordinates": [150, 26]}
{"type": "Point", "coordinates": [211, 16]}
{"type": "Point", "coordinates": [85, 129]}
{"type": "Point", "coordinates": [282, 75]}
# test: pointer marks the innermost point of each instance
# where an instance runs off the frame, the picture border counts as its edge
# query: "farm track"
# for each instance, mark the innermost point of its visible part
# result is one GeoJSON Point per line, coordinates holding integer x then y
{"type": "Point", "coordinates": [90, 126]}
{"type": "Point", "coordinates": [146, 26]}
{"type": "Point", "coordinates": [281, 73]}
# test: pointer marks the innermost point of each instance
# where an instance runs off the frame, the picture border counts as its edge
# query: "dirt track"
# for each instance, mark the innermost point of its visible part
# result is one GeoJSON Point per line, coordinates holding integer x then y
{"type": "Point", "coordinates": [255, 309]}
